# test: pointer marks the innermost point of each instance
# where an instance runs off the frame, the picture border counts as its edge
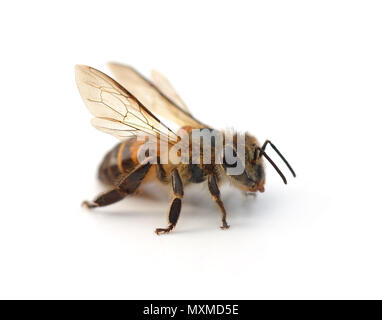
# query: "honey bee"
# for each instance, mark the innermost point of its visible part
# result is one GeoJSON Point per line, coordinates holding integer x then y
{"type": "Point", "coordinates": [126, 110]}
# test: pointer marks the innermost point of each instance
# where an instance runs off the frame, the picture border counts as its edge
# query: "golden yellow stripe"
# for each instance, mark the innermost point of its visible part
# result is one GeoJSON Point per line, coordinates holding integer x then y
{"type": "Point", "coordinates": [119, 156]}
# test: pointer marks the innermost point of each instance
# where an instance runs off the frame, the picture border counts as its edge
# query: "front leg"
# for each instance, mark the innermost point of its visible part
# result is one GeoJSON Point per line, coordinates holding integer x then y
{"type": "Point", "coordinates": [176, 203]}
{"type": "Point", "coordinates": [215, 193]}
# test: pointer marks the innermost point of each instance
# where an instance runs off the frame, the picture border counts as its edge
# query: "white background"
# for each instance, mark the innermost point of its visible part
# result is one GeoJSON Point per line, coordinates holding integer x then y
{"type": "Point", "coordinates": [306, 74]}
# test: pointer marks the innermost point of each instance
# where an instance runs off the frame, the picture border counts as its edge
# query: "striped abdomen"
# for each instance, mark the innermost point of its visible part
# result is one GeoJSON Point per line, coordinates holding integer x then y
{"type": "Point", "coordinates": [122, 160]}
{"type": "Point", "coordinates": [118, 161]}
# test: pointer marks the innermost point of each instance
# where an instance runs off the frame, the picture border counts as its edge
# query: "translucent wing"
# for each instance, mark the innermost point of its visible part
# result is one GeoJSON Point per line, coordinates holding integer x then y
{"type": "Point", "coordinates": [116, 110]}
{"type": "Point", "coordinates": [165, 86]}
{"type": "Point", "coordinates": [152, 97]}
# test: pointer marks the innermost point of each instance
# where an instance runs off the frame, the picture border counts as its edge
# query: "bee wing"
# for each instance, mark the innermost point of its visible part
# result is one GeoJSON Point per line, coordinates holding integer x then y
{"type": "Point", "coordinates": [116, 111]}
{"type": "Point", "coordinates": [165, 86]}
{"type": "Point", "coordinates": [152, 96]}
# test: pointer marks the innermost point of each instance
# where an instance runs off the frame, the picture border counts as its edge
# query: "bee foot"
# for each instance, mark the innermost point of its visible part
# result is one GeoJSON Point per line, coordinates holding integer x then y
{"type": "Point", "coordinates": [159, 231]}
{"type": "Point", "coordinates": [224, 226]}
{"type": "Point", "coordinates": [89, 204]}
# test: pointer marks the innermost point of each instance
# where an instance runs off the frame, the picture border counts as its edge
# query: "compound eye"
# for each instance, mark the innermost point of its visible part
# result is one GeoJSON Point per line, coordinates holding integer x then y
{"type": "Point", "coordinates": [256, 155]}
{"type": "Point", "coordinates": [230, 157]}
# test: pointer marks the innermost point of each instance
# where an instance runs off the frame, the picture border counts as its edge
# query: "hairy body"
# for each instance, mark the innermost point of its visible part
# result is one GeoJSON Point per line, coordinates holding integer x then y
{"type": "Point", "coordinates": [119, 109]}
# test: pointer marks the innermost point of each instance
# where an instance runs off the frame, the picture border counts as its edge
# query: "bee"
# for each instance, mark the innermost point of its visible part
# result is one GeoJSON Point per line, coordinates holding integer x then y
{"type": "Point", "coordinates": [126, 109]}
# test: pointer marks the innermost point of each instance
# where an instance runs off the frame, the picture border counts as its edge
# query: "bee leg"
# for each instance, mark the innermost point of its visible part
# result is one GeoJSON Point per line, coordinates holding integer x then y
{"type": "Point", "coordinates": [215, 193]}
{"type": "Point", "coordinates": [176, 203]}
{"type": "Point", "coordinates": [126, 186]}
{"type": "Point", "coordinates": [104, 199]}
{"type": "Point", "coordinates": [161, 173]}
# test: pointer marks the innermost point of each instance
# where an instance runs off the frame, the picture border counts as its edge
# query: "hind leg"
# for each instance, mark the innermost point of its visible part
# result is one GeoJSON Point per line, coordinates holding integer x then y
{"type": "Point", "coordinates": [106, 198]}
{"type": "Point", "coordinates": [126, 186]}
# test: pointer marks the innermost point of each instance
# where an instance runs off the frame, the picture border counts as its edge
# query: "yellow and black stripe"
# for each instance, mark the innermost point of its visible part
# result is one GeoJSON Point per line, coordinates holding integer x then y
{"type": "Point", "coordinates": [120, 160]}
{"type": "Point", "coordinates": [123, 159]}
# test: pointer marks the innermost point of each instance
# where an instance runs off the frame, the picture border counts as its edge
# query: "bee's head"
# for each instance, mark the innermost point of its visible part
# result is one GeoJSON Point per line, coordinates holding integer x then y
{"type": "Point", "coordinates": [249, 160]}
{"type": "Point", "coordinates": [252, 176]}
{"type": "Point", "coordinates": [254, 164]}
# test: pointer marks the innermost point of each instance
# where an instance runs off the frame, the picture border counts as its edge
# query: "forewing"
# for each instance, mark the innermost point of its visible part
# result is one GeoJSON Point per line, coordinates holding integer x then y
{"type": "Point", "coordinates": [117, 111]}
{"type": "Point", "coordinates": [152, 97]}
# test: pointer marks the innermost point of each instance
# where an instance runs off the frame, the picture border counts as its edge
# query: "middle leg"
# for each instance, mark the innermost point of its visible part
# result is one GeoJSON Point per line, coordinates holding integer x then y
{"type": "Point", "coordinates": [176, 203]}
